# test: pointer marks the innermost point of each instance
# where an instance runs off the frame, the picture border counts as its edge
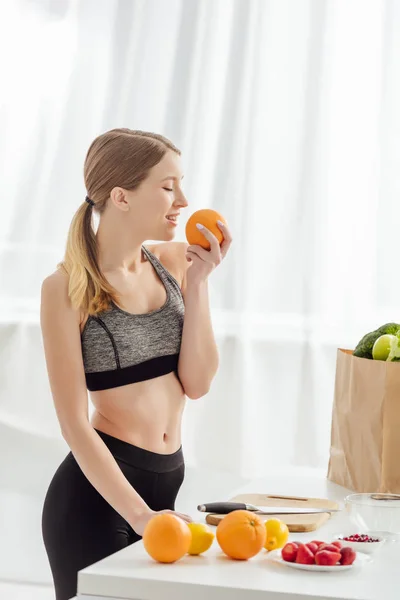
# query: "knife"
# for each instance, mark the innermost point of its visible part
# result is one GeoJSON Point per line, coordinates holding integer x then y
{"type": "Point", "coordinates": [223, 508]}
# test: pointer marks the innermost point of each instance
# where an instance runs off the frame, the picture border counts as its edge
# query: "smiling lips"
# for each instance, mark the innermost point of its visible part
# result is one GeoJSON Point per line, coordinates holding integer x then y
{"type": "Point", "coordinates": [172, 219]}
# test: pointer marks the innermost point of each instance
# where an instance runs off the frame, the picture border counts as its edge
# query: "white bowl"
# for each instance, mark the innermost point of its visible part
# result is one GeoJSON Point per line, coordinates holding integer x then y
{"type": "Point", "coordinates": [375, 512]}
{"type": "Point", "coordinates": [365, 547]}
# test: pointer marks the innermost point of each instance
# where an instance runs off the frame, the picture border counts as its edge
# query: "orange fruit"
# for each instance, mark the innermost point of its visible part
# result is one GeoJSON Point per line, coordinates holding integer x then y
{"type": "Point", "coordinates": [208, 218]}
{"type": "Point", "coordinates": [241, 534]}
{"type": "Point", "coordinates": [166, 538]}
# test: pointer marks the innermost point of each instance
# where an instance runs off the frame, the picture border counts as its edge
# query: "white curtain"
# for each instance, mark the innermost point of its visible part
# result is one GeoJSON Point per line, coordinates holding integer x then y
{"type": "Point", "coordinates": [286, 112]}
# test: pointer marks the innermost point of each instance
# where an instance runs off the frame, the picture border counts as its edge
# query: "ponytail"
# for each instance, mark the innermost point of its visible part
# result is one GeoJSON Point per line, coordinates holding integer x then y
{"type": "Point", "coordinates": [88, 289]}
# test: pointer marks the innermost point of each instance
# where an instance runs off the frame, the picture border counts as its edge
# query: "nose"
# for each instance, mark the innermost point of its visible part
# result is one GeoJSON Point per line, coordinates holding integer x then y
{"type": "Point", "coordinates": [181, 201]}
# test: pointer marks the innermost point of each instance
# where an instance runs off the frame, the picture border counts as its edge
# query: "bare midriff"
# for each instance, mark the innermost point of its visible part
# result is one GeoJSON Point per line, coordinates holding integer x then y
{"type": "Point", "coordinates": [147, 414]}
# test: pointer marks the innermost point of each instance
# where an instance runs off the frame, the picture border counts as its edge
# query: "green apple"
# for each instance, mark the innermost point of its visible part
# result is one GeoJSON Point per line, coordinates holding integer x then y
{"type": "Point", "coordinates": [381, 348]}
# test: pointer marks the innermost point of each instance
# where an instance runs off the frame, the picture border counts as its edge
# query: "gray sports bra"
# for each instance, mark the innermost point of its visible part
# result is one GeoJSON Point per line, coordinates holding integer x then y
{"type": "Point", "coordinates": [119, 347]}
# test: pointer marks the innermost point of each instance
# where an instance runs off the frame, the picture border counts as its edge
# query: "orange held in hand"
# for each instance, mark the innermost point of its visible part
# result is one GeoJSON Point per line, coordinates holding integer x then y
{"type": "Point", "coordinates": [241, 534]}
{"type": "Point", "coordinates": [208, 218]}
{"type": "Point", "coordinates": [166, 538]}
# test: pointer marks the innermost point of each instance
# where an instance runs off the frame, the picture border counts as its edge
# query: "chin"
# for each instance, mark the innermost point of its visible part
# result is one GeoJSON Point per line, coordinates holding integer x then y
{"type": "Point", "coordinates": [169, 235]}
{"type": "Point", "coordinates": [164, 236]}
{"type": "Point", "coordinates": [169, 238]}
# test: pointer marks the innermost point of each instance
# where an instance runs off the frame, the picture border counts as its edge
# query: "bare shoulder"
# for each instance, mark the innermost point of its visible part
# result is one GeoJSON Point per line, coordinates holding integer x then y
{"type": "Point", "coordinates": [55, 285]}
{"type": "Point", "coordinates": [56, 281]}
{"type": "Point", "coordinates": [55, 292]}
{"type": "Point", "coordinates": [173, 256]}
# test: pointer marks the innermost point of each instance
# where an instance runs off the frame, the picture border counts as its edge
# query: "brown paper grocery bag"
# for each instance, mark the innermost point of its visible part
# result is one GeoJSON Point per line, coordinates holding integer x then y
{"type": "Point", "coordinates": [365, 433]}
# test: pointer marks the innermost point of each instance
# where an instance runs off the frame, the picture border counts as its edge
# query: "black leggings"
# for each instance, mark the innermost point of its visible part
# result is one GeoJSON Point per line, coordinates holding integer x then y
{"type": "Point", "coordinates": [80, 528]}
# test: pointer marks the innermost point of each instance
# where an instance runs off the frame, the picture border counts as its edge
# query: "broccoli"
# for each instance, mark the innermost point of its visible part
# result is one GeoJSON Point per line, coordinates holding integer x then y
{"type": "Point", "coordinates": [364, 346]}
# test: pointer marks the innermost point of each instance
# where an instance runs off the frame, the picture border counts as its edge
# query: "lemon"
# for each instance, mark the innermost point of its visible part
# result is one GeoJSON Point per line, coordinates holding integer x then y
{"type": "Point", "coordinates": [277, 534]}
{"type": "Point", "coordinates": [202, 538]}
{"type": "Point", "coordinates": [381, 348]}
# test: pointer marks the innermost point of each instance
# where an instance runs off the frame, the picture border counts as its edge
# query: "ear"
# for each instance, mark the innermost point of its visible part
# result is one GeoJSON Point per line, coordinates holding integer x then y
{"type": "Point", "coordinates": [118, 198]}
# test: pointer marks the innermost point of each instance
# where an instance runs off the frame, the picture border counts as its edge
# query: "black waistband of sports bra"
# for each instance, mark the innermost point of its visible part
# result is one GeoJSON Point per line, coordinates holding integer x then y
{"type": "Point", "coordinates": [140, 457]}
{"type": "Point", "coordinates": [149, 369]}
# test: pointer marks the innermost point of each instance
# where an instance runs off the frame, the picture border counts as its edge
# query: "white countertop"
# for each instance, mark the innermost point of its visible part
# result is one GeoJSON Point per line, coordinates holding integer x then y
{"type": "Point", "coordinates": [131, 574]}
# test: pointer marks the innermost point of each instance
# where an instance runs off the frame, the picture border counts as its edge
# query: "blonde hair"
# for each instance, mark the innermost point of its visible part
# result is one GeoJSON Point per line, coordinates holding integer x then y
{"type": "Point", "coordinates": [120, 157]}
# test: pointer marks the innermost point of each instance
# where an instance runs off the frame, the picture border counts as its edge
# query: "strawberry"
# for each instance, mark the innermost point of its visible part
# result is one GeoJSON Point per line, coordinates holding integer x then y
{"type": "Point", "coordinates": [328, 547]}
{"type": "Point", "coordinates": [347, 556]}
{"type": "Point", "coordinates": [289, 552]}
{"type": "Point", "coordinates": [325, 557]}
{"type": "Point", "coordinates": [337, 544]}
{"type": "Point", "coordinates": [317, 542]}
{"type": "Point", "coordinates": [305, 556]}
{"type": "Point", "coordinates": [312, 546]}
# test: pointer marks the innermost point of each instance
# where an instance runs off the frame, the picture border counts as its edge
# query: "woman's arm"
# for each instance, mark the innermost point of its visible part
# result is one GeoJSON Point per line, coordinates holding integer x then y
{"type": "Point", "coordinates": [198, 358]}
{"type": "Point", "coordinates": [61, 338]}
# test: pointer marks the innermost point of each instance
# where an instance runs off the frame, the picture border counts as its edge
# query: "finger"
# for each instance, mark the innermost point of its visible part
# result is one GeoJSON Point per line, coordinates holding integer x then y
{"type": "Point", "coordinates": [225, 230]}
{"type": "Point", "coordinates": [224, 248]}
{"type": "Point", "coordinates": [177, 514]}
{"type": "Point", "coordinates": [206, 255]}
{"type": "Point", "coordinates": [227, 238]}
{"type": "Point", "coordinates": [193, 251]}
{"type": "Point", "coordinates": [185, 517]}
{"type": "Point", "coordinates": [214, 243]}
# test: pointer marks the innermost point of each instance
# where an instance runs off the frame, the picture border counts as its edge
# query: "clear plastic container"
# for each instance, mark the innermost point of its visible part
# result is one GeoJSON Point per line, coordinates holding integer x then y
{"type": "Point", "coordinates": [377, 514]}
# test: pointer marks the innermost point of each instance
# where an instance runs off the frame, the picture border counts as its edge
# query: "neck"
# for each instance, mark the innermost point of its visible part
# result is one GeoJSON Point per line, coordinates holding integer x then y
{"type": "Point", "coordinates": [118, 249]}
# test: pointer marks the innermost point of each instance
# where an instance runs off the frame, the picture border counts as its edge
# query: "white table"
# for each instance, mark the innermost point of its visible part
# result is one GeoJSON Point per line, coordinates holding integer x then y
{"type": "Point", "coordinates": [131, 574]}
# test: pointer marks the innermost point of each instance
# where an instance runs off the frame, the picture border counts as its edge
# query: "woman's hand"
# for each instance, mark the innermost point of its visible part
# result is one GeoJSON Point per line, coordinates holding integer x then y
{"type": "Point", "coordinates": [204, 261]}
{"type": "Point", "coordinates": [140, 523]}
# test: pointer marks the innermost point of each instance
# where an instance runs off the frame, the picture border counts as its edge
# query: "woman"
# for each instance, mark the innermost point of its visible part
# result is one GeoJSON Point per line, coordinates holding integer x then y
{"type": "Point", "coordinates": [130, 323]}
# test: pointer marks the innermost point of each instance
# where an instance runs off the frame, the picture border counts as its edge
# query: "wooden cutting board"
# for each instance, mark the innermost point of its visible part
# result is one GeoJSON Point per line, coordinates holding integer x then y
{"type": "Point", "coordinates": [296, 523]}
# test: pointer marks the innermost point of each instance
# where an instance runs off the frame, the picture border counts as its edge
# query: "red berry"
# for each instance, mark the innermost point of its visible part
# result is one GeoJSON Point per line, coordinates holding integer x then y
{"type": "Point", "coordinates": [289, 552]}
{"type": "Point", "coordinates": [328, 547]}
{"type": "Point", "coordinates": [304, 555]}
{"type": "Point", "coordinates": [337, 544]}
{"type": "Point", "coordinates": [348, 556]}
{"type": "Point", "coordinates": [325, 557]}
{"type": "Point", "coordinates": [359, 537]}
{"type": "Point", "coordinates": [312, 546]}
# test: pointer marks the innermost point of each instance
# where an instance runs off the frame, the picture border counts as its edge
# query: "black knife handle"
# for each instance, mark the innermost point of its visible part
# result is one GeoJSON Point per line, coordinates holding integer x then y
{"type": "Point", "coordinates": [221, 508]}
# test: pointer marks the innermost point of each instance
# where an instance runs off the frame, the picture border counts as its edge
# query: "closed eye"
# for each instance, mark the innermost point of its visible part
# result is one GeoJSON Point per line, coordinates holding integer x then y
{"type": "Point", "coordinates": [168, 189]}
